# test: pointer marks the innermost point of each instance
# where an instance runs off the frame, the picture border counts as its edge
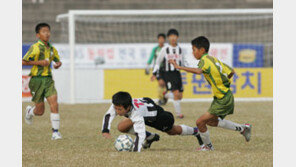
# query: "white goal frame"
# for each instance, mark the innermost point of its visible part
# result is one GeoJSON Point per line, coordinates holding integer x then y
{"type": "Point", "coordinates": [73, 13]}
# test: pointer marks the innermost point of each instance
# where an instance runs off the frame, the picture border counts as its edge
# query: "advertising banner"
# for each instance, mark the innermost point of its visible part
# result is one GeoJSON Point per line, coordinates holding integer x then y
{"type": "Point", "coordinates": [248, 55]}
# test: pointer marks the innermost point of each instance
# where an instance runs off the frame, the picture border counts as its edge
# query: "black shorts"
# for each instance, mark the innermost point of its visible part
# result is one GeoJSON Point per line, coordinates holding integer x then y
{"type": "Point", "coordinates": [164, 121]}
{"type": "Point", "coordinates": [173, 80]}
{"type": "Point", "coordinates": [160, 75]}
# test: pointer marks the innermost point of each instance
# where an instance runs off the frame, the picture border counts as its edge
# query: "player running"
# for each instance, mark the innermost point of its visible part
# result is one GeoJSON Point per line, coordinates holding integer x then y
{"type": "Point", "coordinates": [153, 56]}
{"type": "Point", "coordinates": [140, 112]}
{"type": "Point", "coordinates": [41, 85]}
{"type": "Point", "coordinates": [171, 75]}
{"type": "Point", "coordinates": [218, 76]}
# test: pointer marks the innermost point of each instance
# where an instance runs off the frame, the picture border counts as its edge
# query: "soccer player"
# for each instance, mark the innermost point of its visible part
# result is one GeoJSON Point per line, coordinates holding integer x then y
{"type": "Point", "coordinates": [40, 56]}
{"type": "Point", "coordinates": [141, 112]}
{"type": "Point", "coordinates": [171, 75]}
{"type": "Point", "coordinates": [218, 76]}
{"type": "Point", "coordinates": [153, 56]}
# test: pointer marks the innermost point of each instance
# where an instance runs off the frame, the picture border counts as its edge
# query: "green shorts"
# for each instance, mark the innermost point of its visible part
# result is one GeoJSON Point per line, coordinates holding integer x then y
{"type": "Point", "coordinates": [222, 107]}
{"type": "Point", "coordinates": [41, 87]}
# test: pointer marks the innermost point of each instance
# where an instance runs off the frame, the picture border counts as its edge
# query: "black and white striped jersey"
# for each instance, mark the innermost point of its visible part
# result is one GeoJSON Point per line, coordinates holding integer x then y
{"type": "Point", "coordinates": [144, 109]}
{"type": "Point", "coordinates": [169, 52]}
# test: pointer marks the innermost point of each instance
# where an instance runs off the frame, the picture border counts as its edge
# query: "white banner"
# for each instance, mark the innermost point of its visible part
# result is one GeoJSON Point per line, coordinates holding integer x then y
{"type": "Point", "coordinates": [114, 56]}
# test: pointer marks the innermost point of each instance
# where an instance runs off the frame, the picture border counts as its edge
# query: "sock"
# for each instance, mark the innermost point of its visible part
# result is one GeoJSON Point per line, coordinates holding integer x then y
{"type": "Point", "coordinates": [226, 124]}
{"type": "Point", "coordinates": [169, 95]}
{"type": "Point", "coordinates": [187, 130]}
{"type": "Point", "coordinates": [31, 111]}
{"type": "Point", "coordinates": [177, 106]}
{"type": "Point", "coordinates": [55, 121]}
{"type": "Point", "coordinates": [160, 92]}
{"type": "Point", "coordinates": [206, 137]}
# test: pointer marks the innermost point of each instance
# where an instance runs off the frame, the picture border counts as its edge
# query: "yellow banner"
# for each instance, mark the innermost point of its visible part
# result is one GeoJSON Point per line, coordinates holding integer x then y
{"type": "Point", "coordinates": [247, 82]}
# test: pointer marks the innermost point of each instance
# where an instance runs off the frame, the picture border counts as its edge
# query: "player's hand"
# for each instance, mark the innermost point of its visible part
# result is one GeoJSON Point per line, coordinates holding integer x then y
{"type": "Point", "coordinates": [153, 77]}
{"type": "Point", "coordinates": [173, 62]}
{"type": "Point", "coordinates": [44, 63]}
{"type": "Point", "coordinates": [106, 135]}
{"type": "Point", "coordinates": [147, 70]}
{"type": "Point", "coordinates": [57, 65]}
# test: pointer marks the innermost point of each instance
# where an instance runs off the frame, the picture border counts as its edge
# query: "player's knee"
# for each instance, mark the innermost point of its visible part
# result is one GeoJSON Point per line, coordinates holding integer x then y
{"type": "Point", "coordinates": [121, 128]}
{"type": "Point", "coordinates": [200, 123]}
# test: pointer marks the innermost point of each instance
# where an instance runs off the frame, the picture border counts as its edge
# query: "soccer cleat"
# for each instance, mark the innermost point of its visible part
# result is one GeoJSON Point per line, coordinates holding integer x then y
{"type": "Point", "coordinates": [208, 147]}
{"type": "Point", "coordinates": [247, 132]}
{"type": "Point", "coordinates": [28, 118]}
{"type": "Point", "coordinates": [56, 136]}
{"type": "Point", "coordinates": [180, 116]}
{"type": "Point", "coordinates": [148, 143]}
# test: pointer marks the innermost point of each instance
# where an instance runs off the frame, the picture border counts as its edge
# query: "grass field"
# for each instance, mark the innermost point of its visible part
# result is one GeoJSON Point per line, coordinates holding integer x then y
{"type": "Point", "coordinates": [83, 145]}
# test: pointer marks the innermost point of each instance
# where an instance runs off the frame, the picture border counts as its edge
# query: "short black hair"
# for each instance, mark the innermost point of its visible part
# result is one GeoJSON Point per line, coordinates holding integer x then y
{"type": "Point", "coordinates": [41, 25]}
{"type": "Point", "coordinates": [122, 99]}
{"type": "Point", "coordinates": [161, 35]}
{"type": "Point", "coordinates": [172, 31]}
{"type": "Point", "coordinates": [201, 42]}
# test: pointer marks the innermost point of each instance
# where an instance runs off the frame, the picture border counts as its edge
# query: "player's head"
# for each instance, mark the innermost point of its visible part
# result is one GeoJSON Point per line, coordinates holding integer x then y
{"type": "Point", "coordinates": [200, 46]}
{"type": "Point", "coordinates": [122, 102]}
{"type": "Point", "coordinates": [43, 31]}
{"type": "Point", "coordinates": [173, 36]}
{"type": "Point", "coordinates": [161, 39]}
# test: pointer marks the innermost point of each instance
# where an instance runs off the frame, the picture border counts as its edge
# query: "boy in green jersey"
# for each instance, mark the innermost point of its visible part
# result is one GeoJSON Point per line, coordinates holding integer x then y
{"type": "Point", "coordinates": [218, 76]}
{"type": "Point", "coordinates": [40, 56]}
{"type": "Point", "coordinates": [153, 56]}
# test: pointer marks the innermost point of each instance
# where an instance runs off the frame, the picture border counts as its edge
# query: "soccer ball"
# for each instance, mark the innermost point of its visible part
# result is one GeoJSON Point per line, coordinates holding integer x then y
{"type": "Point", "coordinates": [124, 143]}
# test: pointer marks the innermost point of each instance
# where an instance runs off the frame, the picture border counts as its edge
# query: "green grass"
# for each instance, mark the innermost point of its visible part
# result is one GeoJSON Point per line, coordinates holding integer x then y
{"type": "Point", "coordinates": [83, 145]}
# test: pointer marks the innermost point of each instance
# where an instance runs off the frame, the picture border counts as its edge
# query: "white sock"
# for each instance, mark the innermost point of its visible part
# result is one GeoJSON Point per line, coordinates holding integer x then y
{"type": "Point", "coordinates": [177, 106]}
{"type": "Point", "coordinates": [55, 121]}
{"type": "Point", "coordinates": [187, 130]}
{"type": "Point", "coordinates": [226, 124]}
{"type": "Point", "coordinates": [31, 111]}
{"type": "Point", "coordinates": [205, 137]}
{"type": "Point", "coordinates": [169, 95]}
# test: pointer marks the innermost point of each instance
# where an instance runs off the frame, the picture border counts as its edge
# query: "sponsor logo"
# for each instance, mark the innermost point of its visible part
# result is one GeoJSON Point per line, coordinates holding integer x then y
{"type": "Point", "coordinates": [247, 55]}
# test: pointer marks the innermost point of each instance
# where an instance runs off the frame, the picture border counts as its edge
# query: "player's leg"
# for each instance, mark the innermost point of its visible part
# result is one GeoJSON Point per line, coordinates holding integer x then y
{"type": "Point", "coordinates": [161, 91]}
{"type": "Point", "coordinates": [126, 126]}
{"type": "Point", "coordinates": [203, 130]}
{"type": "Point", "coordinates": [223, 107]}
{"type": "Point", "coordinates": [52, 99]}
{"type": "Point", "coordinates": [177, 103]}
{"type": "Point", "coordinates": [37, 91]}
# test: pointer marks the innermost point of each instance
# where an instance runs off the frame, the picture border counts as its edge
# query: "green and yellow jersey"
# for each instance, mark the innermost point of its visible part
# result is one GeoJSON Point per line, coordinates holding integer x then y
{"type": "Point", "coordinates": [216, 73]}
{"type": "Point", "coordinates": [39, 51]}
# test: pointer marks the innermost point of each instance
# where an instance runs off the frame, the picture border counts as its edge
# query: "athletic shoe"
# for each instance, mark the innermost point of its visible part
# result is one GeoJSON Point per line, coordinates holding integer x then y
{"type": "Point", "coordinates": [247, 132]}
{"type": "Point", "coordinates": [208, 147]}
{"type": "Point", "coordinates": [148, 143]}
{"type": "Point", "coordinates": [28, 118]}
{"type": "Point", "coordinates": [56, 136]}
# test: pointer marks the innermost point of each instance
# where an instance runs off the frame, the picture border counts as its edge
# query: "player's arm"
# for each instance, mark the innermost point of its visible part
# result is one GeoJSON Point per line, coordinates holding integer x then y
{"type": "Point", "coordinates": [157, 63]}
{"type": "Point", "coordinates": [107, 120]}
{"type": "Point", "coordinates": [188, 69]}
{"type": "Point", "coordinates": [29, 57]}
{"type": "Point", "coordinates": [228, 70]}
{"type": "Point", "coordinates": [140, 132]}
{"type": "Point", "coordinates": [56, 59]}
{"type": "Point", "coordinates": [151, 56]}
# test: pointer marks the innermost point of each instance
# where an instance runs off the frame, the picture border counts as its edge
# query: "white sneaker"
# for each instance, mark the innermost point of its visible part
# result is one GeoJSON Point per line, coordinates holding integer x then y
{"type": "Point", "coordinates": [247, 132]}
{"type": "Point", "coordinates": [28, 117]}
{"type": "Point", "coordinates": [56, 136]}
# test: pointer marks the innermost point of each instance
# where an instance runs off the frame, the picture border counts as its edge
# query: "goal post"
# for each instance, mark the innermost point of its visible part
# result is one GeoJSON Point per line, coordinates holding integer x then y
{"type": "Point", "coordinates": [112, 27]}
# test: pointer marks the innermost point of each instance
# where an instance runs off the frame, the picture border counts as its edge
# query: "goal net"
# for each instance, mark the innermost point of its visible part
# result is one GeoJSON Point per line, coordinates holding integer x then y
{"type": "Point", "coordinates": [105, 51]}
